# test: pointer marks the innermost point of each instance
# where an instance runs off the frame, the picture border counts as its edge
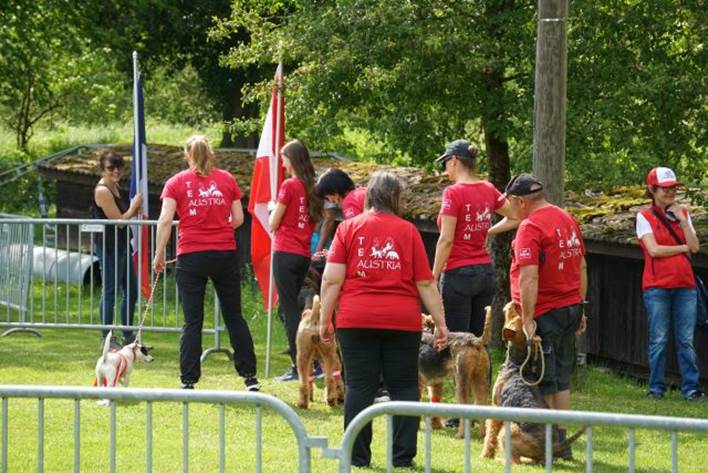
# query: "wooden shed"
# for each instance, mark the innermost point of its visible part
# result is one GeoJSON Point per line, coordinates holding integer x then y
{"type": "Point", "coordinates": [617, 329]}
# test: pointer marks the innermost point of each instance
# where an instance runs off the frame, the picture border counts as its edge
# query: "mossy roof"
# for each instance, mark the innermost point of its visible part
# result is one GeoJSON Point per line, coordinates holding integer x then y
{"type": "Point", "coordinates": [604, 216]}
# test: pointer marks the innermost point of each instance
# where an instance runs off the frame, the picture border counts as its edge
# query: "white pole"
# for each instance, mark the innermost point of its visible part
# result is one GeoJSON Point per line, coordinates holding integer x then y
{"type": "Point", "coordinates": [135, 119]}
{"type": "Point", "coordinates": [273, 175]}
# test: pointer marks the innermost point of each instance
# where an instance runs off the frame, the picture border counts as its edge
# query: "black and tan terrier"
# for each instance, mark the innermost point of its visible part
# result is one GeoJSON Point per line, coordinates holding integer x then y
{"type": "Point", "coordinates": [310, 346]}
{"type": "Point", "coordinates": [465, 358]}
{"type": "Point", "coordinates": [510, 390]}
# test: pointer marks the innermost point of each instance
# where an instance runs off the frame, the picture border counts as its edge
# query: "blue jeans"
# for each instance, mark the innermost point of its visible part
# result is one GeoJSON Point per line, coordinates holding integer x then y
{"type": "Point", "coordinates": [113, 268]}
{"type": "Point", "coordinates": [661, 305]}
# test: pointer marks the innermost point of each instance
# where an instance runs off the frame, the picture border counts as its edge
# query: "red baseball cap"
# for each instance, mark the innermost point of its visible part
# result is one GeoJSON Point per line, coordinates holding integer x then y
{"type": "Point", "coordinates": [662, 177]}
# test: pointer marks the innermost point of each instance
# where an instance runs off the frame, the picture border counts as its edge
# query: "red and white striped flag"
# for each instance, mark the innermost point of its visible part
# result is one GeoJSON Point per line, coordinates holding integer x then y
{"type": "Point", "coordinates": [267, 177]}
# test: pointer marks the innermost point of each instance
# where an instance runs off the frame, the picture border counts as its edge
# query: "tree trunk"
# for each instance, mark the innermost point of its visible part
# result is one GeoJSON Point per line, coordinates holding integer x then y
{"type": "Point", "coordinates": [493, 124]}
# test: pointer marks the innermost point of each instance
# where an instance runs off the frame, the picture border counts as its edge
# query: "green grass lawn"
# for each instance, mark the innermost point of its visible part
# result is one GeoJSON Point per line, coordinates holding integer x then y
{"type": "Point", "coordinates": [68, 357]}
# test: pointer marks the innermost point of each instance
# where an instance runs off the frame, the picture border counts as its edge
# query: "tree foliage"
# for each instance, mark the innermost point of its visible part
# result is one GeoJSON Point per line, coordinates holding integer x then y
{"type": "Point", "coordinates": [33, 77]}
{"type": "Point", "coordinates": [418, 74]}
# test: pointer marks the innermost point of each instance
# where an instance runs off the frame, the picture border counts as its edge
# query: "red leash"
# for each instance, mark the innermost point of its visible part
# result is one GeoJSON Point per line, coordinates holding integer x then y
{"type": "Point", "coordinates": [148, 300]}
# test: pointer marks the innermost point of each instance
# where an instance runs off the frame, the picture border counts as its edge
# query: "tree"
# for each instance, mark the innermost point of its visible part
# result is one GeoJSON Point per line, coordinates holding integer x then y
{"type": "Point", "coordinates": [36, 39]}
{"type": "Point", "coordinates": [174, 35]}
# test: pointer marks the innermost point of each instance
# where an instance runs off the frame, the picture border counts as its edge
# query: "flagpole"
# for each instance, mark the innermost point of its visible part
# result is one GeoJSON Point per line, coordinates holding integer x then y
{"type": "Point", "coordinates": [273, 175]}
{"type": "Point", "coordinates": [138, 171]}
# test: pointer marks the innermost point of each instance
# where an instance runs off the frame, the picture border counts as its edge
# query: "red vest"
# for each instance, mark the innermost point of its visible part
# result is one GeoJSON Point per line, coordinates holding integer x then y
{"type": "Point", "coordinates": [669, 272]}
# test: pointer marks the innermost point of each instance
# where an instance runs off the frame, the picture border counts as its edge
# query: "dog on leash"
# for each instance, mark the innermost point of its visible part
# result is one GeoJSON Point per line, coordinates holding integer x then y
{"type": "Point", "coordinates": [113, 367]}
{"type": "Point", "coordinates": [510, 390]}
{"type": "Point", "coordinates": [465, 358]}
{"type": "Point", "coordinates": [310, 345]}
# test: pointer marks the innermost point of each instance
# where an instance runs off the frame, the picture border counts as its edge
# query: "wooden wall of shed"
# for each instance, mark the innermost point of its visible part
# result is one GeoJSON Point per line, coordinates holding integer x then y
{"type": "Point", "coordinates": [617, 324]}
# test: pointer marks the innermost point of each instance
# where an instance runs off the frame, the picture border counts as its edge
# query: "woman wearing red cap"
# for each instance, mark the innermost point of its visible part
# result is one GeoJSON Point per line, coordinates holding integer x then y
{"type": "Point", "coordinates": [667, 238]}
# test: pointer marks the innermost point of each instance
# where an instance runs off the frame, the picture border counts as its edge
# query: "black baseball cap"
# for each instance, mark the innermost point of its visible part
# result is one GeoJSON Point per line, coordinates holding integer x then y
{"type": "Point", "coordinates": [459, 148]}
{"type": "Point", "coordinates": [522, 184]}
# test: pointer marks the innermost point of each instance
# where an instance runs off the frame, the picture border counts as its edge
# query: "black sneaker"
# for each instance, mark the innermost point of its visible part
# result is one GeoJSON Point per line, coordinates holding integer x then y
{"type": "Point", "coordinates": [252, 384]}
{"type": "Point", "coordinates": [290, 375]}
{"type": "Point", "coordinates": [452, 422]}
{"type": "Point", "coordinates": [696, 396]}
{"type": "Point", "coordinates": [381, 396]}
{"type": "Point", "coordinates": [188, 386]}
{"type": "Point", "coordinates": [655, 395]}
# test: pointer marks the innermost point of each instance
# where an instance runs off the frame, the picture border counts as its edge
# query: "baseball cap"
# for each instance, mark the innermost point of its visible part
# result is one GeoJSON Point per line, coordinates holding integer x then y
{"type": "Point", "coordinates": [662, 177]}
{"type": "Point", "coordinates": [522, 184]}
{"type": "Point", "coordinates": [459, 148]}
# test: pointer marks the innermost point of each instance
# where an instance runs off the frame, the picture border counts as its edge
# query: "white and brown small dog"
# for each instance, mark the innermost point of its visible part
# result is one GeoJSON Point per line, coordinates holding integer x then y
{"type": "Point", "coordinates": [115, 366]}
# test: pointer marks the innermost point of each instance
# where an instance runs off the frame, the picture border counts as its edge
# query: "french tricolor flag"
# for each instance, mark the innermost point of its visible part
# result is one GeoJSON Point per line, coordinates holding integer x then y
{"type": "Point", "coordinates": [140, 242]}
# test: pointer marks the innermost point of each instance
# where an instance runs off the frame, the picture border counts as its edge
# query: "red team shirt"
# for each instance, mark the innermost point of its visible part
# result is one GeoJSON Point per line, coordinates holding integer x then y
{"type": "Point", "coordinates": [295, 231]}
{"type": "Point", "coordinates": [353, 203]}
{"type": "Point", "coordinates": [204, 209]}
{"type": "Point", "coordinates": [473, 204]}
{"type": "Point", "coordinates": [384, 255]}
{"type": "Point", "coordinates": [551, 239]}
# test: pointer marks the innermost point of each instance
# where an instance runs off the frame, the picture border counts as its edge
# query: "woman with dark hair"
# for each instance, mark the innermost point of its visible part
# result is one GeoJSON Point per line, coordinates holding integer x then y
{"type": "Point", "coordinates": [292, 221]}
{"type": "Point", "coordinates": [667, 238]}
{"type": "Point", "coordinates": [377, 270]}
{"type": "Point", "coordinates": [462, 263]}
{"type": "Point", "coordinates": [208, 202]}
{"type": "Point", "coordinates": [117, 270]}
{"type": "Point", "coordinates": [338, 188]}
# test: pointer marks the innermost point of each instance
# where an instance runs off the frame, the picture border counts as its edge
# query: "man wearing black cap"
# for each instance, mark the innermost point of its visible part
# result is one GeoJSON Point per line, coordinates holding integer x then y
{"type": "Point", "coordinates": [549, 281]}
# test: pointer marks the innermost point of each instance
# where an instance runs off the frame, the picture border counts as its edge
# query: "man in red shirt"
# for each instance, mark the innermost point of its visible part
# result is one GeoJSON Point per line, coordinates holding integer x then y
{"type": "Point", "coordinates": [549, 282]}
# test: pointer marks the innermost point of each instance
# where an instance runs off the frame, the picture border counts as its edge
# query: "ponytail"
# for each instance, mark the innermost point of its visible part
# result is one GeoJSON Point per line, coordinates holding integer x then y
{"type": "Point", "coordinates": [199, 154]}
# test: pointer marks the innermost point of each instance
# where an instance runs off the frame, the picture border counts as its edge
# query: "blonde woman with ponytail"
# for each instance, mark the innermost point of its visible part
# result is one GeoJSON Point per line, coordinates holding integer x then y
{"type": "Point", "coordinates": [296, 213]}
{"type": "Point", "coordinates": [208, 202]}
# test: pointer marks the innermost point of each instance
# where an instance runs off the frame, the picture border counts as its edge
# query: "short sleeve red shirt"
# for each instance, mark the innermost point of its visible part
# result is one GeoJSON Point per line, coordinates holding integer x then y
{"type": "Point", "coordinates": [384, 255]}
{"type": "Point", "coordinates": [295, 231]}
{"type": "Point", "coordinates": [204, 209]}
{"type": "Point", "coordinates": [473, 204]}
{"type": "Point", "coordinates": [353, 203]}
{"type": "Point", "coordinates": [550, 238]}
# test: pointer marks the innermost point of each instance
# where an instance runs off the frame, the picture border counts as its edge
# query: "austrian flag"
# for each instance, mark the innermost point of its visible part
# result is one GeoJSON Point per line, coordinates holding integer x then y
{"type": "Point", "coordinates": [267, 176]}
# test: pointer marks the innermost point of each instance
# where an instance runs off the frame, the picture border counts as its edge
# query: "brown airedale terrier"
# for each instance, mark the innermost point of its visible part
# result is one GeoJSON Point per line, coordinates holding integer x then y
{"type": "Point", "coordinates": [309, 345]}
{"type": "Point", "coordinates": [510, 390]}
{"type": "Point", "coordinates": [465, 358]}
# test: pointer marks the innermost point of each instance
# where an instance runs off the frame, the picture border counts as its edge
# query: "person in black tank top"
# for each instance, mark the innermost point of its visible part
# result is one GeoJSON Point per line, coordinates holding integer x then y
{"type": "Point", "coordinates": [111, 247]}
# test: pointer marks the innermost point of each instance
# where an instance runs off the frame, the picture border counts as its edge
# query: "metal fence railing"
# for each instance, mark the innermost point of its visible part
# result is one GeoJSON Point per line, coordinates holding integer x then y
{"type": "Point", "coordinates": [222, 399]}
{"type": "Point", "coordinates": [306, 443]}
{"type": "Point", "coordinates": [52, 272]}
{"type": "Point", "coordinates": [508, 415]}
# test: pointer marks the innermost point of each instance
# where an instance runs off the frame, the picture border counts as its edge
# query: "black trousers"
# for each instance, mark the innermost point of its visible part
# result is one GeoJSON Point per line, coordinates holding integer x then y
{"type": "Point", "coordinates": [289, 271]}
{"type": "Point", "coordinates": [465, 292]}
{"type": "Point", "coordinates": [367, 354]}
{"type": "Point", "coordinates": [193, 271]}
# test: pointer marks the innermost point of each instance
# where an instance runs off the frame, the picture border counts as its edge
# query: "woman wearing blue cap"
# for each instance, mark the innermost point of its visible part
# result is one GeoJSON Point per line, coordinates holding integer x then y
{"type": "Point", "coordinates": [462, 264]}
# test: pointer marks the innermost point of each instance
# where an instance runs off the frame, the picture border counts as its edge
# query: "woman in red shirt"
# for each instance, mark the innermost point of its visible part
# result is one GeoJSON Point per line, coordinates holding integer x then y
{"type": "Point", "coordinates": [667, 238]}
{"type": "Point", "coordinates": [292, 221]}
{"type": "Point", "coordinates": [208, 202]}
{"type": "Point", "coordinates": [462, 262]}
{"type": "Point", "coordinates": [377, 270]}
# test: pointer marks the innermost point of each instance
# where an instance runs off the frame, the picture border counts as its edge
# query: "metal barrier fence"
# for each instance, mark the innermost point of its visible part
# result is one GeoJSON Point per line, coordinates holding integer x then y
{"type": "Point", "coordinates": [186, 397]}
{"type": "Point", "coordinates": [52, 272]}
{"type": "Point", "coordinates": [306, 443]}
{"type": "Point", "coordinates": [508, 415]}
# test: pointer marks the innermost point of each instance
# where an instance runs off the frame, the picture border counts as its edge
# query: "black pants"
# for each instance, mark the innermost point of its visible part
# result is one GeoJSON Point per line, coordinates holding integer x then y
{"type": "Point", "coordinates": [466, 291]}
{"type": "Point", "coordinates": [223, 268]}
{"type": "Point", "coordinates": [289, 271]}
{"type": "Point", "coordinates": [368, 353]}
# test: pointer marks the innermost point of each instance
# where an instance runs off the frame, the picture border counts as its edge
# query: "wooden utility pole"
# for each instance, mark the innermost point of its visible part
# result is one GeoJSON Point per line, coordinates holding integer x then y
{"type": "Point", "coordinates": [550, 97]}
